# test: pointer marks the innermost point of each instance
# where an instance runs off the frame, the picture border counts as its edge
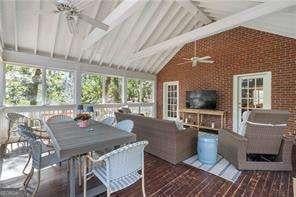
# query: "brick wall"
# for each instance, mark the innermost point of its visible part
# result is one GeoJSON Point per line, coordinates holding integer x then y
{"type": "Point", "coordinates": [237, 51]}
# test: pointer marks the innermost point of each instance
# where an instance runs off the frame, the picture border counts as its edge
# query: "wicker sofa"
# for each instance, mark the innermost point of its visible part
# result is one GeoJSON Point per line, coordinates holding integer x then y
{"type": "Point", "coordinates": [165, 140]}
{"type": "Point", "coordinates": [264, 136]}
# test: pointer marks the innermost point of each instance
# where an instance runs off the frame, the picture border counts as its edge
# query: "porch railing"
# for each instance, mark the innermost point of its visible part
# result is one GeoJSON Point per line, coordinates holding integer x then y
{"type": "Point", "coordinates": [43, 112]}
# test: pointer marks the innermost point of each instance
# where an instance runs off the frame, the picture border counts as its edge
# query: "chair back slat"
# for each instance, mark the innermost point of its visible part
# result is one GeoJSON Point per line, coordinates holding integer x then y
{"type": "Point", "coordinates": [125, 160]}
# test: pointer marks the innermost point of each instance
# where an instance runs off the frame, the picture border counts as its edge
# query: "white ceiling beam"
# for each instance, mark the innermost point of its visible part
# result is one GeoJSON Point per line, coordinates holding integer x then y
{"type": "Point", "coordinates": [146, 14]}
{"type": "Point", "coordinates": [188, 5]}
{"type": "Point", "coordinates": [216, 27]}
{"type": "Point", "coordinates": [36, 36]}
{"type": "Point", "coordinates": [189, 25]}
{"type": "Point", "coordinates": [15, 25]}
{"type": "Point", "coordinates": [165, 28]}
{"type": "Point", "coordinates": [125, 34]}
{"type": "Point", "coordinates": [94, 51]}
{"type": "Point", "coordinates": [92, 15]}
{"type": "Point", "coordinates": [32, 59]}
{"type": "Point", "coordinates": [116, 17]}
{"type": "Point", "coordinates": [55, 34]}
{"type": "Point", "coordinates": [159, 16]}
{"type": "Point", "coordinates": [110, 43]}
{"type": "Point", "coordinates": [167, 59]}
{"type": "Point", "coordinates": [68, 48]}
{"type": "Point", "coordinates": [178, 27]}
{"type": "Point", "coordinates": [1, 30]}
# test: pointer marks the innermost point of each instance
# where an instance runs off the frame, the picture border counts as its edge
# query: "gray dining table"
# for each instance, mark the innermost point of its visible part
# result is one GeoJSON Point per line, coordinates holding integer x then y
{"type": "Point", "coordinates": [70, 141]}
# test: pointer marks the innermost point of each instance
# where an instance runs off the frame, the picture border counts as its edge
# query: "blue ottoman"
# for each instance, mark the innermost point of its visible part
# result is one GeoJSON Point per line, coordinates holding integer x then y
{"type": "Point", "coordinates": [207, 148]}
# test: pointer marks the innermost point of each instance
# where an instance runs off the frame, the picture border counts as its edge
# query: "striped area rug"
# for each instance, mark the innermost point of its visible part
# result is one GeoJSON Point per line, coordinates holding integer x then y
{"type": "Point", "coordinates": [222, 168]}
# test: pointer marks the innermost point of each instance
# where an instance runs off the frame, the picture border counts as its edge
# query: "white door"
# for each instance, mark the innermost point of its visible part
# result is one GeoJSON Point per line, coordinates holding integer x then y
{"type": "Point", "coordinates": [251, 91]}
{"type": "Point", "coordinates": [171, 100]}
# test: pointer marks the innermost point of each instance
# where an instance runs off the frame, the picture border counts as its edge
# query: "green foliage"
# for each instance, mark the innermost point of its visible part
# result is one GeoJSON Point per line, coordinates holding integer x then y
{"type": "Point", "coordinates": [113, 89]}
{"type": "Point", "coordinates": [133, 90]}
{"type": "Point", "coordinates": [91, 89]}
{"type": "Point", "coordinates": [147, 90]}
{"type": "Point", "coordinates": [59, 87]}
{"type": "Point", "coordinates": [23, 85]}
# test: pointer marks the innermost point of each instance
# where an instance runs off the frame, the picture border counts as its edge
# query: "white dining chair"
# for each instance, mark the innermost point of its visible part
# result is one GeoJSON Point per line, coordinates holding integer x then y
{"type": "Point", "coordinates": [108, 121]}
{"type": "Point", "coordinates": [118, 169]}
{"type": "Point", "coordinates": [125, 125]}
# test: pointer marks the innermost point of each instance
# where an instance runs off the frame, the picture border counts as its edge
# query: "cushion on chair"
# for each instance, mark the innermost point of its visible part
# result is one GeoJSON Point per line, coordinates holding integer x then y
{"type": "Point", "coordinates": [117, 184]}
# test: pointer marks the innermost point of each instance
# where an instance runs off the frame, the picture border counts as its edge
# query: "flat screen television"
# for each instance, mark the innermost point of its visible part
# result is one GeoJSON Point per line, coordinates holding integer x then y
{"type": "Point", "coordinates": [201, 99]}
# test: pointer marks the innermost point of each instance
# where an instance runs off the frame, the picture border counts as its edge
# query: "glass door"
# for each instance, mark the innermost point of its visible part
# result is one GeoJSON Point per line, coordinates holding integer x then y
{"type": "Point", "coordinates": [251, 91]}
{"type": "Point", "coordinates": [170, 100]}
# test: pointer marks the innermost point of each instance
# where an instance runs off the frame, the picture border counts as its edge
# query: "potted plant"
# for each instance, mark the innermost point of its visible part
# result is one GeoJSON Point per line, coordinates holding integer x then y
{"type": "Point", "coordinates": [82, 120]}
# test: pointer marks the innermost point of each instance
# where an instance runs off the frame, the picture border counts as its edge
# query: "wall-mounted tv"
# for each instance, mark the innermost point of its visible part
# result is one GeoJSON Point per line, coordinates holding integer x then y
{"type": "Point", "coordinates": [201, 99]}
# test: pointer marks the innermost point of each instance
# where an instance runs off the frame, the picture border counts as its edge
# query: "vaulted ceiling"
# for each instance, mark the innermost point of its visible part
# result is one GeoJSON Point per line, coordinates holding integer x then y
{"type": "Point", "coordinates": [144, 24]}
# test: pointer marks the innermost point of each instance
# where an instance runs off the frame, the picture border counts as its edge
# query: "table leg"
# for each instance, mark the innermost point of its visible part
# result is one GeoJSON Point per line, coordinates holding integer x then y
{"type": "Point", "coordinates": [72, 176]}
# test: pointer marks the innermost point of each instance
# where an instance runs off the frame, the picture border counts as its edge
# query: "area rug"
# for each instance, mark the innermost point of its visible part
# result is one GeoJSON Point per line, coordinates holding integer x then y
{"type": "Point", "coordinates": [222, 168]}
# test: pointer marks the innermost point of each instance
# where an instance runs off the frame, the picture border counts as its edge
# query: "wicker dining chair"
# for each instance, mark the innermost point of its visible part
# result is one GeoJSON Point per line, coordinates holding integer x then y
{"type": "Point", "coordinates": [36, 150]}
{"type": "Point", "coordinates": [125, 125]}
{"type": "Point", "coordinates": [118, 169]}
{"type": "Point", "coordinates": [108, 121]}
{"type": "Point", "coordinates": [14, 119]}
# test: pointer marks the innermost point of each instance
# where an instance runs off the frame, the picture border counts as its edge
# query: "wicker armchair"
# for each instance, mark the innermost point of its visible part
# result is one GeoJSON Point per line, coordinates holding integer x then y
{"type": "Point", "coordinates": [264, 136]}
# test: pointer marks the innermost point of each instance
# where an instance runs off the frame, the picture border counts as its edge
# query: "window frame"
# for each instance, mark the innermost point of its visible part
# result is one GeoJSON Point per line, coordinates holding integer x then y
{"type": "Point", "coordinates": [141, 88]}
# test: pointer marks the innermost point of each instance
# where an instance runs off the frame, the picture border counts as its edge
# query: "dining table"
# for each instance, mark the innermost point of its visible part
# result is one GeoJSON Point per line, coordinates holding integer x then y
{"type": "Point", "coordinates": [71, 142]}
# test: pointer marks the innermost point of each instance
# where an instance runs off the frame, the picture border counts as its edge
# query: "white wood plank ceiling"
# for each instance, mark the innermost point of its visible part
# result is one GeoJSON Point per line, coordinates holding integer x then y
{"type": "Point", "coordinates": [142, 25]}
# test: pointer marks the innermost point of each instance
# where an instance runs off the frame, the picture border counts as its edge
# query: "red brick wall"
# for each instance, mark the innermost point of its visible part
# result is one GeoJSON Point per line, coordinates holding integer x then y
{"type": "Point", "coordinates": [237, 51]}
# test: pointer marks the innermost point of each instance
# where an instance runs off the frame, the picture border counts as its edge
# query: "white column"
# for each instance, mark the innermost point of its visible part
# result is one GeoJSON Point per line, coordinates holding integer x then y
{"type": "Point", "coordinates": [2, 82]}
{"type": "Point", "coordinates": [104, 89]}
{"type": "Point", "coordinates": [124, 90]}
{"type": "Point", "coordinates": [43, 86]}
{"type": "Point", "coordinates": [77, 86]}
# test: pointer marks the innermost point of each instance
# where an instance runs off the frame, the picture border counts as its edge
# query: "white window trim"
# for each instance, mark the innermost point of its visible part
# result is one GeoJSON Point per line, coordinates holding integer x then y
{"type": "Point", "coordinates": [266, 100]}
{"type": "Point", "coordinates": [164, 96]}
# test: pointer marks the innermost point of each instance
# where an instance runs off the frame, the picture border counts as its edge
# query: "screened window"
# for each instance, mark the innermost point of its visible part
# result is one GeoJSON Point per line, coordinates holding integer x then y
{"type": "Point", "coordinates": [113, 88]}
{"type": "Point", "coordinates": [147, 91]}
{"type": "Point", "coordinates": [133, 90]}
{"type": "Point", "coordinates": [23, 85]}
{"type": "Point", "coordinates": [91, 88]}
{"type": "Point", "coordinates": [59, 87]}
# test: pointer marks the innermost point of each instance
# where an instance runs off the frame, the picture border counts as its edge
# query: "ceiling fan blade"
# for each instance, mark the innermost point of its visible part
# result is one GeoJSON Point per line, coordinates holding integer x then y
{"type": "Point", "coordinates": [94, 22]}
{"type": "Point", "coordinates": [184, 63]}
{"type": "Point", "coordinates": [186, 58]}
{"type": "Point", "coordinates": [206, 61]}
{"type": "Point", "coordinates": [203, 58]}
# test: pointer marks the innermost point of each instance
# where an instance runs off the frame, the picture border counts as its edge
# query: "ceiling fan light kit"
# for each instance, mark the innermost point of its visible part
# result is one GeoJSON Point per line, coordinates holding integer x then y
{"type": "Point", "coordinates": [72, 10]}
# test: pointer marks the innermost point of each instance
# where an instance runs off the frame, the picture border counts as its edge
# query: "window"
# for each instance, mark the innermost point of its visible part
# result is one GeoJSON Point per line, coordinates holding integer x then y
{"type": "Point", "coordinates": [139, 91]}
{"type": "Point", "coordinates": [59, 87]}
{"type": "Point", "coordinates": [113, 89]}
{"type": "Point", "coordinates": [147, 92]}
{"type": "Point", "coordinates": [91, 88]}
{"type": "Point", "coordinates": [133, 90]}
{"type": "Point", "coordinates": [170, 100]}
{"type": "Point", "coordinates": [23, 85]}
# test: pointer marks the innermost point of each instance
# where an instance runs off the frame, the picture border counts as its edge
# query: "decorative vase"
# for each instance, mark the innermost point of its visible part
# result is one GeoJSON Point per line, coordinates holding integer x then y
{"type": "Point", "coordinates": [83, 123]}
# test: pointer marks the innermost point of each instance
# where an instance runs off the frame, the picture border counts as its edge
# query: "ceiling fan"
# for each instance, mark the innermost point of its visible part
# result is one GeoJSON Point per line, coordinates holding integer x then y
{"type": "Point", "coordinates": [72, 11]}
{"type": "Point", "coordinates": [194, 60]}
